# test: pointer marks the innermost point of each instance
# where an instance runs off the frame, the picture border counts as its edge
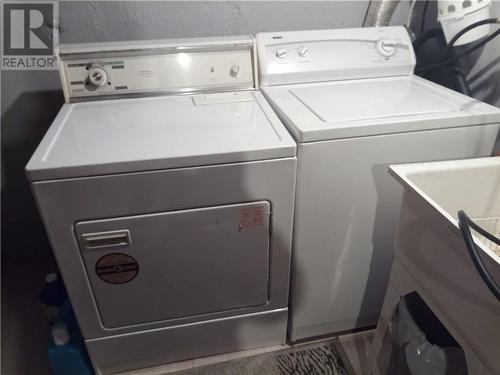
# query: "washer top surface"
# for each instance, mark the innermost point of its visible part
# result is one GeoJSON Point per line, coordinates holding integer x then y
{"type": "Point", "coordinates": [141, 134]}
{"type": "Point", "coordinates": [351, 101]}
{"type": "Point", "coordinates": [367, 107]}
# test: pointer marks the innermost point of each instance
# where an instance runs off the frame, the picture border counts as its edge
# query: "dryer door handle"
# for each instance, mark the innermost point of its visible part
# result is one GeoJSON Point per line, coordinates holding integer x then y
{"type": "Point", "coordinates": [101, 240]}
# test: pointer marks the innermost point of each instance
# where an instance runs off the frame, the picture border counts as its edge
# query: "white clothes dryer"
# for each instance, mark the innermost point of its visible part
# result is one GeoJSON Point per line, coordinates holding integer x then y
{"type": "Point", "coordinates": [166, 185]}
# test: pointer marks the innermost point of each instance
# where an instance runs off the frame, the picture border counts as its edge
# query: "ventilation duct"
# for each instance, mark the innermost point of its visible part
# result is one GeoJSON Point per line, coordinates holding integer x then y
{"type": "Point", "coordinates": [379, 12]}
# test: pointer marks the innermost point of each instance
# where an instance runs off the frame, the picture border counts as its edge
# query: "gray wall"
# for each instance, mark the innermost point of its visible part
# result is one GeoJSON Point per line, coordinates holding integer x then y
{"type": "Point", "coordinates": [30, 100]}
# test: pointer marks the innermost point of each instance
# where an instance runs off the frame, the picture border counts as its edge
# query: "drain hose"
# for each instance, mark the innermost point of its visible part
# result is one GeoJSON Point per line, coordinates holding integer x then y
{"type": "Point", "coordinates": [465, 223]}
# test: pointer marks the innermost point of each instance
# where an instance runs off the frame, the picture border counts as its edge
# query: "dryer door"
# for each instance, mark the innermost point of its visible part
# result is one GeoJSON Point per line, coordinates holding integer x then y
{"type": "Point", "coordinates": [177, 264]}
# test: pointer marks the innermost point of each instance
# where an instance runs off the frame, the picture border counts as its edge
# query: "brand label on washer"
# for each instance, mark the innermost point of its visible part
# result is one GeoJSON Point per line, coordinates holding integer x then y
{"type": "Point", "coordinates": [117, 268]}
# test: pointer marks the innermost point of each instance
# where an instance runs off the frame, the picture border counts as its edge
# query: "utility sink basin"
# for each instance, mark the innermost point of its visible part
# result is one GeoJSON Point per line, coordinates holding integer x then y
{"type": "Point", "coordinates": [430, 247]}
{"type": "Point", "coordinates": [472, 185]}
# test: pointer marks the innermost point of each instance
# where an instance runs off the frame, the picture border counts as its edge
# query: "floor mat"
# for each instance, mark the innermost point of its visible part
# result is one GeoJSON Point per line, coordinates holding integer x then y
{"type": "Point", "coordinates": [326, 358]}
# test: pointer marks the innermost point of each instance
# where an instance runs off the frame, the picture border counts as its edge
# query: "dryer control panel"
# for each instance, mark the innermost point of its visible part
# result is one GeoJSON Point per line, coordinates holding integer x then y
{"type": "Point", "coordinates": [326, 55]}
{"type": "Point", "coordinates": [137, 68]}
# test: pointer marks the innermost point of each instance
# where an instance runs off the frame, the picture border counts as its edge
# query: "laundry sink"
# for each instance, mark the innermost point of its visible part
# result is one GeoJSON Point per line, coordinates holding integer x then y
{"type": "Point", "coordinates": [430, 247]}
{"type": "Point", "coordinates": [472, 185]}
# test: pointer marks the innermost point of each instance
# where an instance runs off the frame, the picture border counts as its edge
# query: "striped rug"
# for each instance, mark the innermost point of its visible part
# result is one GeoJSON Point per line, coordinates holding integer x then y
{"type": "Point", "coordinates": [325, 358]}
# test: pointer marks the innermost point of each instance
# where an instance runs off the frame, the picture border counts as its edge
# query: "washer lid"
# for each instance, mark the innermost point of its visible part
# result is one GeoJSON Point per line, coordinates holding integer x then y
{"type": "Point", "coordinates": [355, 108]}
{"type": "Point", "coordinates": [131, 135]}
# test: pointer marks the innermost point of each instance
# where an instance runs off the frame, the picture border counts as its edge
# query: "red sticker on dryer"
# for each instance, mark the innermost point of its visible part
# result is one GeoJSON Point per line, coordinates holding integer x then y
{"type": "Point", "coordinates": [252, 216]}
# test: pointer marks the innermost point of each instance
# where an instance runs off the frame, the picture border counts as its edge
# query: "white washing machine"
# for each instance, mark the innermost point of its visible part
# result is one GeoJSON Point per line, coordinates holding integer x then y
{"type": "Point", "coordinates": [166, 185]}
{"type": "Point", "coordinates": [353, 104]}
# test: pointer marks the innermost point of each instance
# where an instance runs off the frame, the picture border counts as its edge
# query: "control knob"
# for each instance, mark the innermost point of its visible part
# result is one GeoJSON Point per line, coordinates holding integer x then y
{"type": "Point", "coordinates": [386, 47]}
{"type": "Point", "coordinates": [281, 53]}
{"type": "Point", "coordinates": [97, 76]}
{"type": "Point", "coordinates": [303, 51]}
{"type": "Point", "coordinates": [235, 69]}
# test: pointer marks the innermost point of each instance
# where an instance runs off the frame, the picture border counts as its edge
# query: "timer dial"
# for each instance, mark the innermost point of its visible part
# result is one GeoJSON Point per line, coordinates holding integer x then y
{"type": "Point", "coordinates": [386, 47]}
{"type": "Point", "coordinates": [97, 76]}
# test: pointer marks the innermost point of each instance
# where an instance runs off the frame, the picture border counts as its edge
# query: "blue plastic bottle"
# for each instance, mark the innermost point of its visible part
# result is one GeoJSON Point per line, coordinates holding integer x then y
{"type": "Point", "coordinates": [65, 353]}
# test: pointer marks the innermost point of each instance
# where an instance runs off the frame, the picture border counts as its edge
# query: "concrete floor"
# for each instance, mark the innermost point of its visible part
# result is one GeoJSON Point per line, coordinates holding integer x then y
{"type": "Point", "coordinates": [357, 346]}
{"type": "Point", "coordinates": [25, 328]}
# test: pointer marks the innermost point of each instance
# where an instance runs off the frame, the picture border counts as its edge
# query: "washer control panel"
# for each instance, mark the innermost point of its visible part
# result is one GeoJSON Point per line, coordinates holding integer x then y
{"type": "Point", "coordinates": [107, 69]}
{"type": "Point", "coordinates": [323, 55]}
